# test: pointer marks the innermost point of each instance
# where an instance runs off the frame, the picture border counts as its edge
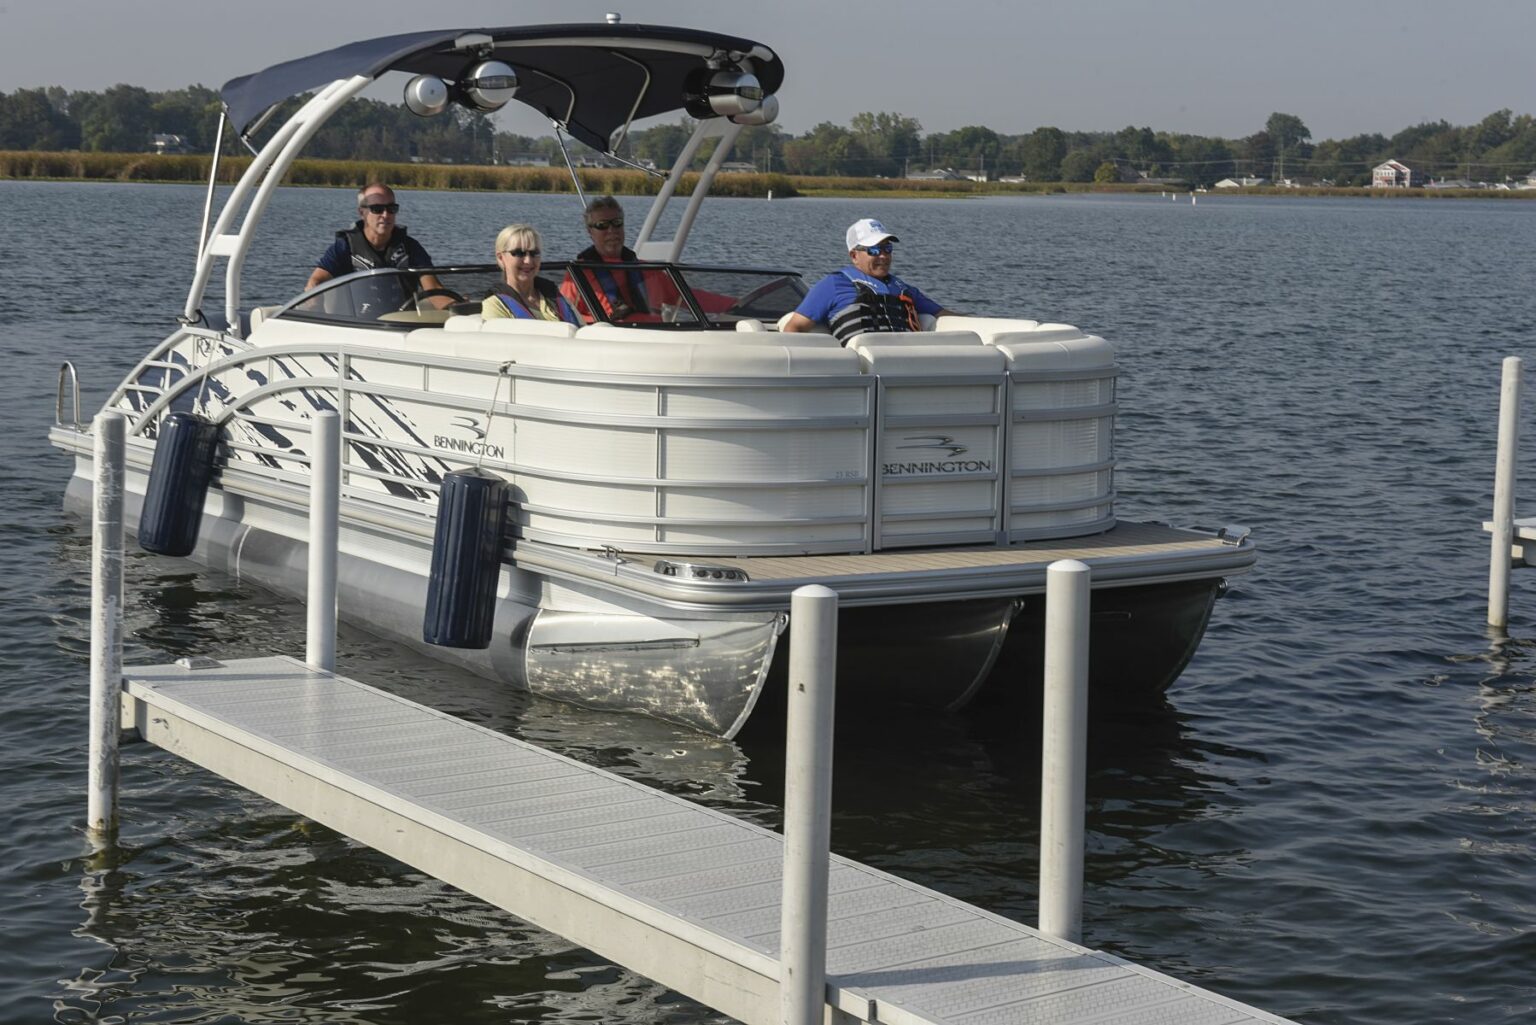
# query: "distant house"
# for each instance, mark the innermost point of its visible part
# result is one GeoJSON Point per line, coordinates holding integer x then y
{"type": "Point", "coordinates": [1529, 183]}
{"type": "Point", "coordinates": [1452, 183]}
{"type": "Point", "coordinates": [1394, 174]}
{"type": "Point", "coordinates": [1241, 183]}
{"type": "Point", "coordinates": [1299, 182]}
{"type": "Point", "coordinates": [937, 174]}
{"type": "Point", "coordinates": [162, 142]}
{"type": "Point", "coordinates": [738, 167]}
{"type": "Point", "coordinates": [525, 160]}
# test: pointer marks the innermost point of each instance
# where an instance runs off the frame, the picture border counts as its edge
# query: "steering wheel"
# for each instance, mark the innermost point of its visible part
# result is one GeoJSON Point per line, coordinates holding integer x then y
{"type": "Point", "coordinates": [743, 306]}
{"type": "Point", "coordinates": [415, 301]}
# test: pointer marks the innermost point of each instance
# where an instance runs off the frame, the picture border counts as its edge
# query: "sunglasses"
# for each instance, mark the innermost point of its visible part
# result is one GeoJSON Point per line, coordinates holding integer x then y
{"type": "Point", "coordinates": [518, 254]}
{"type": "Point", "coordinates": [883, 249]}
{"type": "Point", "coordinates": [612, 222]}
{"type": "Point", "coordinates": [381, 208]}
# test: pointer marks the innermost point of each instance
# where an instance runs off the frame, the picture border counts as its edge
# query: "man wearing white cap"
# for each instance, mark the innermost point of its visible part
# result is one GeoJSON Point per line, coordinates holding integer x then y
{"type": "Point", "coordinates": [866, 296]}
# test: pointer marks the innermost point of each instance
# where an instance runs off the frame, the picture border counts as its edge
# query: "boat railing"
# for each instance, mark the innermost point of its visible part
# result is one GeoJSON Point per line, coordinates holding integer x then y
{"type": "Point", "coordinates": [165, 370]}
{"type": "Point", "coordinates": [904, 452]}
{"type": "Point", "coordinates": [564, 494]}
{"type": "Point", "coordinates": [67, 374]}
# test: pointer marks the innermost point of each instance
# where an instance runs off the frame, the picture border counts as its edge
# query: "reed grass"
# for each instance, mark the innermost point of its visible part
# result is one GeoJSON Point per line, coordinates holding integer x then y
{"type": "Point", "coordinates": [79, 166]}
{"type": "Point", "coordinates": [152, 167]}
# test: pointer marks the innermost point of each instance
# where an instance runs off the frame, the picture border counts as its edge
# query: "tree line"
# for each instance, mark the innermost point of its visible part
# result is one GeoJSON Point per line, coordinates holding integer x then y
{"type": "Point", "coordinates": [125, 118]}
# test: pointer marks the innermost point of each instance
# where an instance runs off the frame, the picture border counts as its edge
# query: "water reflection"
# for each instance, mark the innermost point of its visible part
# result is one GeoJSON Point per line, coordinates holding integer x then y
{"type": "Point", "coordinates": [266, 919]}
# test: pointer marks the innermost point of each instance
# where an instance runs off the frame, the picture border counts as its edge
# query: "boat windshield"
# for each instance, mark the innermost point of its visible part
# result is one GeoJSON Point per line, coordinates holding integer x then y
{"type": "Point", "coordinates": [659, 295]}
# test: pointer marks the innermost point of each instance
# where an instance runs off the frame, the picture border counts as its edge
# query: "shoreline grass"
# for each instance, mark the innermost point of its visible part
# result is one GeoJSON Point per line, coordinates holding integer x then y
{"type": "Point", "coordinates": [29, 165]}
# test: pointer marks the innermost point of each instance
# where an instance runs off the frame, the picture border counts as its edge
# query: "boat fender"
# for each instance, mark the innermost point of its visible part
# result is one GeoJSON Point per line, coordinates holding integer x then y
{"type": "Point", "coordinates": [466, 560]}
{"type": "Point", "coordinates": [178, 483]}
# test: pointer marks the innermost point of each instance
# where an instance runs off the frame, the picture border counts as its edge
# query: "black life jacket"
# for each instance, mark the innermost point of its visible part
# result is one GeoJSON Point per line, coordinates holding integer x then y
{"type": "Point", "coordinates": [365, 257]}
{"type": "Point", "coordinates": [608, 286]}
{"type": "Point", "coordinates": [519, 309]}
{"type": "Point", "coordinates": [873, 310]}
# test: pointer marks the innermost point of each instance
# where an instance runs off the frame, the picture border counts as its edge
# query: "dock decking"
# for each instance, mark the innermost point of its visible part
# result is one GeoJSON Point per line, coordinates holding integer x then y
{"type": "Point", "coordinates": [683, 894]}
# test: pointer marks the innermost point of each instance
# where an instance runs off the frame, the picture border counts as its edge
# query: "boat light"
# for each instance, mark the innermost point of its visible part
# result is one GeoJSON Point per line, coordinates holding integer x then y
{"type": "Point", "coordinates": [714, 93]}
{"type": "Point", "coordinates": [488, 86]}
{"type": "Point", "coordinates": [699, 571]}
{"type": "Point", "coordinates": [766, 113]}
{"type": "Point", "coordinates": [426, 95]}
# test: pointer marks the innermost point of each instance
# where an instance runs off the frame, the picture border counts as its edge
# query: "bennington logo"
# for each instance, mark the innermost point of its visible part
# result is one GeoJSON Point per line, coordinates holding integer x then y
{"type": "Point", "coordinates": [942, 443]}
{"type": "Point", "coordinates": [939, 441]}
{"type": "Point", "coordinates": [477, 447]}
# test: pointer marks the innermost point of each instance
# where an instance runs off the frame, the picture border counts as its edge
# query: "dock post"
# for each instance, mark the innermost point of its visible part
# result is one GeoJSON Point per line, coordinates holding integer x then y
{"type": "Point", "coordinates": [1063, 749]}
{"type": "Point", "coordinates": [106, 626]}
{"type": "Point", "coordinates": [324, 531]}
{"type": "Point", "coordinates": [807, 805]}
{"type": "Point", "coordinates": [1504, 495]}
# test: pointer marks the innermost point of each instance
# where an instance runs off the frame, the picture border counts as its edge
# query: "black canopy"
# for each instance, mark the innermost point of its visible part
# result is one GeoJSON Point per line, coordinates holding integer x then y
{"type": "Point", "coordinates": [586, 77]}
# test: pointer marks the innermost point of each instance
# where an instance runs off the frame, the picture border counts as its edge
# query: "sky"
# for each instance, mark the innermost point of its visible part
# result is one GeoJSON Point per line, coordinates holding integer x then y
{"type": "Point", "coordinates": [1344, 67]}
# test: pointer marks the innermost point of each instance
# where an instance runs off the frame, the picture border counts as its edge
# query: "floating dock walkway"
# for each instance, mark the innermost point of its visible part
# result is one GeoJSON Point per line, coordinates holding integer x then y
{"type": "Point", "coordinates": [685, 895]}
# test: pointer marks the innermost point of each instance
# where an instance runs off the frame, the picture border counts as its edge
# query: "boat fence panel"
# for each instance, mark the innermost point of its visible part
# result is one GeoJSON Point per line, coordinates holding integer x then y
{"type": "Point", "coordinates": [1061, 432]}
{"type": "Point", "coordinates": [942, 413]}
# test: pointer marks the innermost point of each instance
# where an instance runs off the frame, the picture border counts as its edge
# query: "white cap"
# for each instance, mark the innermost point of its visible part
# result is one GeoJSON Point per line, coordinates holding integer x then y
{"type": "Point", "coordinates": [868, 232]}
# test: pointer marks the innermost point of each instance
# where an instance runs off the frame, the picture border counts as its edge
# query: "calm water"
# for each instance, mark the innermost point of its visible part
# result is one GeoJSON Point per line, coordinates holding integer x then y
{"type": "Point", "coordinates": [1332, 818]}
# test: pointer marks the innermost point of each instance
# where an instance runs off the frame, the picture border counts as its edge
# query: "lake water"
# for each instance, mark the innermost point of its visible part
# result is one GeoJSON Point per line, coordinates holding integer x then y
{"type": "Point", "coordinates": [1334, 816]}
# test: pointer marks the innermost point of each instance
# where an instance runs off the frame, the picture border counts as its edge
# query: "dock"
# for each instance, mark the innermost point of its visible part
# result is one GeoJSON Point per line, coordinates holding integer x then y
{"type": "Point", "coordinates": [683, 894]}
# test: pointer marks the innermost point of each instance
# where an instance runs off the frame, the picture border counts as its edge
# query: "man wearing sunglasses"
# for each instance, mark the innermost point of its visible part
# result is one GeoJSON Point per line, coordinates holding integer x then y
{"type": "Point", "coordinates": [625, 293]}
{"type": "Point", "coordinates": [376, 241]}
{"type": "Point", "coordinates": [866, 296]}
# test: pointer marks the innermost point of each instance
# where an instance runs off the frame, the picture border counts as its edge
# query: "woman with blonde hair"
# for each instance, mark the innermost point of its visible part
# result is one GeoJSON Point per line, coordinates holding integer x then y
{"type": "Point", "coordinates": [523, 293]}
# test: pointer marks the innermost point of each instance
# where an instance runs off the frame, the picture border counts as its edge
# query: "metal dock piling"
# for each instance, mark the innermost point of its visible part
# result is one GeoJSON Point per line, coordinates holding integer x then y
{"type": "Point", "coordinates": [683, 894]}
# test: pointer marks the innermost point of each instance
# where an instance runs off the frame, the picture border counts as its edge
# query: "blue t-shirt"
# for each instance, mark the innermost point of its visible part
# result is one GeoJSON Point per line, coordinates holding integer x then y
{"type": "Point", "coordinates": [836, 290]}
{"type": "Point", "coordinates": [337, 260]}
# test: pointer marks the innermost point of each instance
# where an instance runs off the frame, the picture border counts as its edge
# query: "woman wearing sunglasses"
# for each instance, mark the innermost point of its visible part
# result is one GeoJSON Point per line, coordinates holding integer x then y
{"type": "Point", "coordinates": [523, 293]}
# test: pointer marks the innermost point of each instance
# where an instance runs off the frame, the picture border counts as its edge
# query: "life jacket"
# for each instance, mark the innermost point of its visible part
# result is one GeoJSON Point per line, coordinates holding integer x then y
{"type": "Point", "coordinates": [519, 309]}
{"type": "Point", "coordinates": [365, 257]}
{"type": "Point", "coordinates": [875, 310]}
{"type": "Point", "coordinates": [608, 291]}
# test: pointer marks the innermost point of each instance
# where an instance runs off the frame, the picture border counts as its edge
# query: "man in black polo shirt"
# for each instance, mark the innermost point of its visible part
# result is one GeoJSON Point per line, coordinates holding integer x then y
{"type": "Point", "coordinates": [375, 241]}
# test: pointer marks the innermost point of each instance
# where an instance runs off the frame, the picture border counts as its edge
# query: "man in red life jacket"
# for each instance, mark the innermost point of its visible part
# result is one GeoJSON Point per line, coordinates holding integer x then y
{"type": "Point", "coordinates": [625, 293]}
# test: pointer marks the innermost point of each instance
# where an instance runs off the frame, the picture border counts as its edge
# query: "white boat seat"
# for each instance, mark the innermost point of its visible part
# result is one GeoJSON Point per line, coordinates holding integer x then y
{"type": "Point", "coordinates": [260, 314]}
{"type": "Point", "coordinates": [931, 338]}
{"type": "Point", "coordinates": [524, 326]}
{"type": "Point", "coordinates": [668, 356]}
{"type": "Point", "coordinates": [957, 356]}
{"type": "Point", "coordinates": [473, 322]}
{"type": "Point", "coordinates": [464, 322]}
{"type": "Point", "coordinates": [926, 320]}
{"type": "Point", "coordinates": [992, 330]}
{"type": "Point", "coordinates": [750, 324]}
{"type": "Point", "coordinates": [737, 337]}
{"type": "Point", "coordinates": [815, 328]}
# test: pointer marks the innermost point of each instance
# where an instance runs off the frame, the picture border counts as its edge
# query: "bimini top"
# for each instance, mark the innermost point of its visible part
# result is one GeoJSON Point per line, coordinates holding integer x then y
{"type": "Point", "coordinates": [591, 79]}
